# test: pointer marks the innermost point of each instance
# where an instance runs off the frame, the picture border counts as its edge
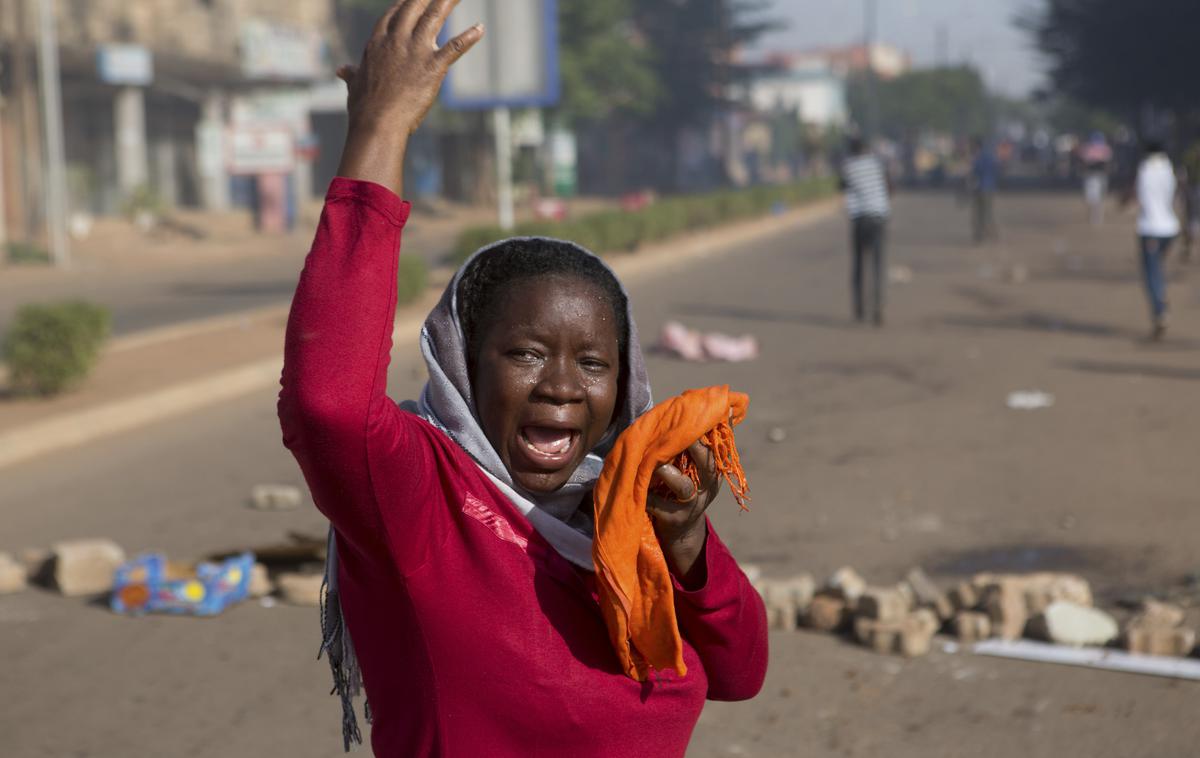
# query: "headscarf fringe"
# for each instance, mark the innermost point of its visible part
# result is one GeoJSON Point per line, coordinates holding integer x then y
{"type": "Point", "coordinates": [338, 649]}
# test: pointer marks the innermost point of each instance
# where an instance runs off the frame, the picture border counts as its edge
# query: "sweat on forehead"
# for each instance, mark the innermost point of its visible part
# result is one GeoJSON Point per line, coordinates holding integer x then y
{"type": "Point", "coordinates": [491, 274]}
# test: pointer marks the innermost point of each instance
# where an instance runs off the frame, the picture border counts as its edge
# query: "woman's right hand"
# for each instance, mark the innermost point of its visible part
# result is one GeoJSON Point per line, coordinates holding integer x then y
{"type": "Point", "coordinates": [394, 86]}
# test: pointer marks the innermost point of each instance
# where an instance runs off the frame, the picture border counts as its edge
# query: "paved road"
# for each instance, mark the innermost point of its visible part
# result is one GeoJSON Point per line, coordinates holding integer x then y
{"type": "Point", "coordinates": [899, 450]}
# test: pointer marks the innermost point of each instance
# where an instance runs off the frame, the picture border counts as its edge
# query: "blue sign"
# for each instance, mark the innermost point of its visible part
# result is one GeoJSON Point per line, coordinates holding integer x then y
{"type": "Point", "coordinates": [515, 65]}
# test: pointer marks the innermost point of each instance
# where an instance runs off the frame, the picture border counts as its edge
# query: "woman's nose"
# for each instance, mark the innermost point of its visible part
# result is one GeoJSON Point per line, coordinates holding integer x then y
{"type": "Point", "coordinates": [560, 382]}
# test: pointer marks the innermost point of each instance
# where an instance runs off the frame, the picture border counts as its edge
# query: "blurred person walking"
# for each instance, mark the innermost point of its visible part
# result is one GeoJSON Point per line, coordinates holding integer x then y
{"type": "Point", "coordinates": [867, 186]}
{"type": "Point", "coordinates": [1096, 157]}
{"type": "Point", "coordinates": [1190, 174]}
{"type": "Point", "coordinates": [982, 181]}
{"type": "Point", "coordinates": [1157, 226]}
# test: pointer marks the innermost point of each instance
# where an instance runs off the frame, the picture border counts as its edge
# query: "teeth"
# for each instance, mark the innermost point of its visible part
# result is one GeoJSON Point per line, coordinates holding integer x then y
{"type": "Point", "coordinates": [547, 441]}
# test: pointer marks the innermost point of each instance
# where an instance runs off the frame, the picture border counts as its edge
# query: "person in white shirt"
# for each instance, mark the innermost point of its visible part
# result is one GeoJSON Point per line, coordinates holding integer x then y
{"type": "Point", "coordinates": [1157, 226]}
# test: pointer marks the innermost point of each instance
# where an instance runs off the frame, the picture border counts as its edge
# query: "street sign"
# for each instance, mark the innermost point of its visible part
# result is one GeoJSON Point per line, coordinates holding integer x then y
{"type": "Point", "coordinates": [125, 64]}
{"type": "Point", "coordinates": [260, 150]}
{"type": "Point", "coordinates": [280, 52]}
{"type": "Point", "coordinates": [515, 65]}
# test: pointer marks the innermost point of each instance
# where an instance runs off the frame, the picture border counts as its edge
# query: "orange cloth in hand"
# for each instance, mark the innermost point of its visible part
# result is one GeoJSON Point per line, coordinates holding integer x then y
{"type": "Point", "coordinates": [636, 595]}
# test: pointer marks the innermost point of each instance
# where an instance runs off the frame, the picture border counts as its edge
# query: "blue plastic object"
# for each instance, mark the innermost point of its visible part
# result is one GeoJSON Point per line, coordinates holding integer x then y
{"type": "Point", "coordinates": [145, 585]}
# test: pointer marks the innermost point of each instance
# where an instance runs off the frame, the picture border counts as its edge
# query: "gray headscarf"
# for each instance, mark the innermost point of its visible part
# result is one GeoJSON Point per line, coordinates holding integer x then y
{"type": "Point", "coordinates": [447, 403]}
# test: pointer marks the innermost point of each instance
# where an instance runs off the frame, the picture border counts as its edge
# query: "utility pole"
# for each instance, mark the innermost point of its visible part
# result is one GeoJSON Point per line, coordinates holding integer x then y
{"type": "Point", "coordinates": [502, 126]}
{"type": "Point", "coordinates": [3, 176]}
{"type": "Point", "coordinates": [24, 97]}
{"type": "Point", "coordinates": [56, 177]}
{"type": "Point", "coordinates": [502, 131]}
{"type": "Point", "coordinates": [870, 16]}
{"type": "Point", "coordinates": [943, 46]}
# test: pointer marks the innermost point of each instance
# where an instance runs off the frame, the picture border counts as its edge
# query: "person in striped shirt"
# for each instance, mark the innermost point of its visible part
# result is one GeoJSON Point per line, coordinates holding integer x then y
{"type": "Point", "coordinates": [867, 185]}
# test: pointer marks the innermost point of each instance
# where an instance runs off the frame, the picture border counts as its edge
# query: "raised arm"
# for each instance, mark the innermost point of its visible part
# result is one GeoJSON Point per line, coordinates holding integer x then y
{"type": "Point", "coordinates": [333, 406]}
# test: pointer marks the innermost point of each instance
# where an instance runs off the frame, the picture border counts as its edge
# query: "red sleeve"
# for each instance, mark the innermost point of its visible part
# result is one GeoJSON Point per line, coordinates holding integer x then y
{"type": "Point", "coordinates": [334, 411]}
{"type": "Point", "coordinates": [726, 622]}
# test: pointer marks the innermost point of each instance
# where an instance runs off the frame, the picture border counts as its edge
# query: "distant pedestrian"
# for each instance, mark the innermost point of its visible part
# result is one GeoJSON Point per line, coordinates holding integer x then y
{"type": "Point", "coordinates": [866, 184]}
{"type": "Point", "coordinates": [1191, 197]}
{"type": "Point", "coordinates": [1096, 156]}
{"type": "Point", "coordinates": [1157, 226]}
{"type": "Point", "coordinates": [981, 184]}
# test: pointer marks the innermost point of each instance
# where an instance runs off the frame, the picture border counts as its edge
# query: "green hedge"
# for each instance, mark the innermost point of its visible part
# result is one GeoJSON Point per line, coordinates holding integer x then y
{"type": "Point", "coordinates": [50, 347]}
{"type": "Point", "coordinates": [412, 276]}
{"type": "Point", "coordinates": [623, 231]}
{"type": "Point", "coordinates": [26, 253]}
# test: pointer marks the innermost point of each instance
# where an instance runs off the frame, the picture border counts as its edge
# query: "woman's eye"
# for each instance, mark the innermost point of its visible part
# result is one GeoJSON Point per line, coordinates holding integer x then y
{"type": "Point", "coordinates": [524, 356]}
{"type": "Point", "coordinates": [594, 364]}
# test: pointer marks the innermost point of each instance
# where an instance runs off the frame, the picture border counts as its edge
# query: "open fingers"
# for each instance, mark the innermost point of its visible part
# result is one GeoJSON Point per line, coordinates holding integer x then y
{"type": "Point", "coordinates": [677, 481]}
{"type": "Point", "coordinates": [384, 24]}
{"type": "Point", "coordinates": [410, 16]}
{"type": "Point", "coordinates": [448, 53]}
{"type": "Point", "coordinates": [434, 18]}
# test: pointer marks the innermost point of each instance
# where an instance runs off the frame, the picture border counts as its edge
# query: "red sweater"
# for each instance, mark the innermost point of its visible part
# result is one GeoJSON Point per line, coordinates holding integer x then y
{"type": "Point", "coordinates": [475, 637]}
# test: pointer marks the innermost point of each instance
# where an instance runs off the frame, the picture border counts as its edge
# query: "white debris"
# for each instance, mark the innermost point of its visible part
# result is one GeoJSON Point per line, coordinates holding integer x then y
{"type": "Point", "coordinates": [900, 274]}
{"type": "Point", "coordinates": [275, 497]}
{"type": "Point", "coordinates": [1075, 625]}
{"type": "Point", "coordinates": [1029, 400]}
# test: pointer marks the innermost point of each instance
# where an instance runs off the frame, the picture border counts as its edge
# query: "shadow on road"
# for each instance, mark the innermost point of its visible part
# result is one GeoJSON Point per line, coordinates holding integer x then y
{"type": "Point", "coordinates": [1101, 276]}
{"type": "Point", "coordinates": [981, 297]}
{"type": "Point", "coordinates": [761, 314]}
{"type": "Point", "coordinates": [1020, 558]}
{"type": "Point", "coordinates": [1134, 369]}
{"type": "Point", "coordinates": [1039, 321]}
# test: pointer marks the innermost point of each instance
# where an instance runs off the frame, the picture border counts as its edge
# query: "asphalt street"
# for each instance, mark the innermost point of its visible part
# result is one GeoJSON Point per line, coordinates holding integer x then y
{"type": "Point", "coordinates": [898, 449]}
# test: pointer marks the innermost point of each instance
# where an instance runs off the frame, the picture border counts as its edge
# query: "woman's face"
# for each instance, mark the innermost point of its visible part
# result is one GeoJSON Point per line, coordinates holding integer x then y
{"type": "Point", "coordinates": [546, 377]}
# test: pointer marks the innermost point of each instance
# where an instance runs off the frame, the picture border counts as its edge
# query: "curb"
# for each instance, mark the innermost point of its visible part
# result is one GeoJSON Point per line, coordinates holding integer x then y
{"type": "Point", "coordinates": [81, 427]}
{"type": "Point", "coordinates": [157, 335]}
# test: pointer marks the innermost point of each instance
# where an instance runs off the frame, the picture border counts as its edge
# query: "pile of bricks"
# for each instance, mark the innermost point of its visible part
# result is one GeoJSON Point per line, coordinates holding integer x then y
{"type": "Point", "coordinates": [74, 568]}
{"type": "Point", "coordinates": [903, 618]}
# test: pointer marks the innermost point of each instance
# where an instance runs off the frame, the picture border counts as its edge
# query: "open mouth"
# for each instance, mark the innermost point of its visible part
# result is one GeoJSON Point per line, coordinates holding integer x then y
{"type": "Point", "coordinates": [547, 446]}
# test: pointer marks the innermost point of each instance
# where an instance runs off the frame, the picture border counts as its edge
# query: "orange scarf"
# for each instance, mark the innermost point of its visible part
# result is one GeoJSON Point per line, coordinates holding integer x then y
{"type": "Point", "coordinates": [636, 596]}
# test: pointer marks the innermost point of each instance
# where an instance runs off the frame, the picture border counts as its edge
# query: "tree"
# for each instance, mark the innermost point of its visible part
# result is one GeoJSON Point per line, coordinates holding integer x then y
{"type": "Point", "coordinates": [604, 61]}
{"type": "Point", "coordinates": [693, 44]}
{"type": "Point", "coordinates": [951, 100]}
{"type": "Point", "coordinates": [1122, 55]}
{"type": "Point", "coordinates": [636, 74]}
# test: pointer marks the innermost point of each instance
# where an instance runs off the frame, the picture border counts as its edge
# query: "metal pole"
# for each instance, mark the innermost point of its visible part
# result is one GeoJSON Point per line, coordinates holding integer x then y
{"type": "Point", "coordinates": [504, 180]}
{"type": "Point", "coordinates": [3, 178]}
{"type": "Point", "coordinates": [29, 142]}
{"type": "Point", "coordinates": [870, 9]}
{"type": "Point", "coordinates": [56, 178]}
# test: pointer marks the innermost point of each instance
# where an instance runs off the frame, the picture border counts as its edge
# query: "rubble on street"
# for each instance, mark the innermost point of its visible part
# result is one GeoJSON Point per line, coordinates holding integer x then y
{"type": "Point", "coordinates": [902, 619]}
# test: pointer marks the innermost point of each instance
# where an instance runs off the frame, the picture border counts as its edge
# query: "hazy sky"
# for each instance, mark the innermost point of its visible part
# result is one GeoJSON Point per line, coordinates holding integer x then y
{"type": "Point", "coordinates": [980, 31]}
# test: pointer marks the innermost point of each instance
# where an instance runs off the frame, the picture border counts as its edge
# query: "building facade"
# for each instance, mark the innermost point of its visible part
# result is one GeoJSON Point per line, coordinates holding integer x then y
{"type": "Point", "coordinates": [165, 102]}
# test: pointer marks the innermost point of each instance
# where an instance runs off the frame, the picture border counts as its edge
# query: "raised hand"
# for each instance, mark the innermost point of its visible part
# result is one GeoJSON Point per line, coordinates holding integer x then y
{"type": "Point", "coordinates": [394, 86]}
